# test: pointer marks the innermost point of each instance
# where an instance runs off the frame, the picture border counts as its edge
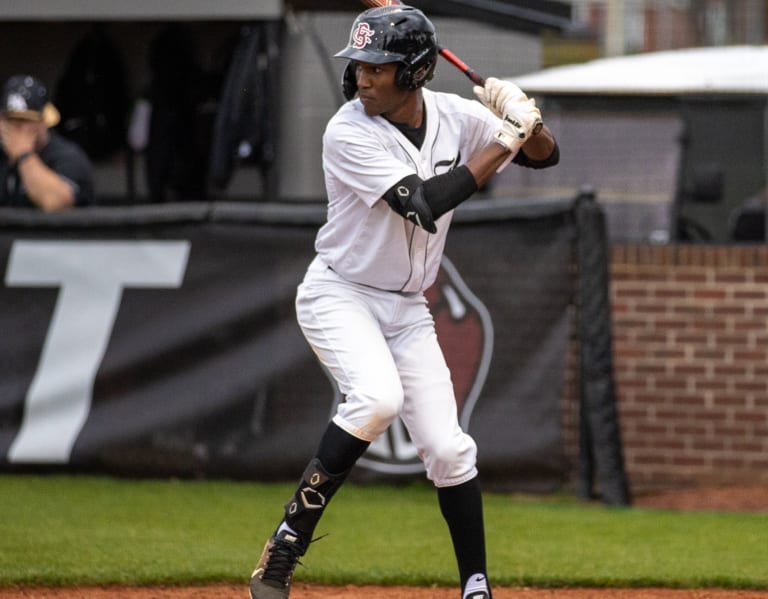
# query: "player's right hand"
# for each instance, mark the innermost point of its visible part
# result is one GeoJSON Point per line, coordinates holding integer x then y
{"type": "Point", "coordinates": [496, 94]}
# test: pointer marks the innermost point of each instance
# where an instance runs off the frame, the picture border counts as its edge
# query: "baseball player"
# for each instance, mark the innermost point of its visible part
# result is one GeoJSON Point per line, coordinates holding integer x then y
{"type": "Point", "coordinates": [397, 160]}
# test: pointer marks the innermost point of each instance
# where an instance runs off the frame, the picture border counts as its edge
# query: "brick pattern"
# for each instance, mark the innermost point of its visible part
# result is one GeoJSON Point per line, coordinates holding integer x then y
{"type": "Point", "coordinates": [690, 335]}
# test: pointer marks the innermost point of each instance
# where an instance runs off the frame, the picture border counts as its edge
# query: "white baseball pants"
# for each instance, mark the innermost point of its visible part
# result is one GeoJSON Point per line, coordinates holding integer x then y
{"type": "Point", "coordinates": [382, 350]}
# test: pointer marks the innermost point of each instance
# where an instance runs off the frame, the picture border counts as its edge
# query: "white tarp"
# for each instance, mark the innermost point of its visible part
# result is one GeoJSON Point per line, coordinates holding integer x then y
{"type": "Point", "coordinates": [728, 70]}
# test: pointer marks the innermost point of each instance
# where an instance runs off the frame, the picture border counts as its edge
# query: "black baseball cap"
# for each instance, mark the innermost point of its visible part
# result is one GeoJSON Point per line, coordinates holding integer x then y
{"type": "Point", "coordinates": [25, 97]}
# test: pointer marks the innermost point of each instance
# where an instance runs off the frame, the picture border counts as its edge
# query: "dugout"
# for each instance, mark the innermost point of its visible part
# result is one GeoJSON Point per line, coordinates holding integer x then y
{"type": "Point", "coordinates": [675, 142]}
{"type": "Point", "coordinates": [100, 61]}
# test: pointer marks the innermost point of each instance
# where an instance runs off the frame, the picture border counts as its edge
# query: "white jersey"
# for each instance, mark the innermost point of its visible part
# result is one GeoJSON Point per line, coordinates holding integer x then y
{"type": "Point", "coordinates": [364, 240]}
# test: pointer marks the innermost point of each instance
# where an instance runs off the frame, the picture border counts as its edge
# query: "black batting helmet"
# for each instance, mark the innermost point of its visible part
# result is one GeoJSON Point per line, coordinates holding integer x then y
{"type": "Point", "coordinates": [392, 34]}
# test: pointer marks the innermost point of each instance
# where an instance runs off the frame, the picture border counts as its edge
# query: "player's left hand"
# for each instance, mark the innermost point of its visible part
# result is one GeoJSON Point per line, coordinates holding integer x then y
{"type": "Point", "coordinates": [519, 121]}
{"type": "Point", "coordinates": [497, 93]}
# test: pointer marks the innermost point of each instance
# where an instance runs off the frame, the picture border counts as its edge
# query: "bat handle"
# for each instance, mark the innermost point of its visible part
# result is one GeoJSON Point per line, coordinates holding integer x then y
{"type": "Point", "coordinates": [475, 77]}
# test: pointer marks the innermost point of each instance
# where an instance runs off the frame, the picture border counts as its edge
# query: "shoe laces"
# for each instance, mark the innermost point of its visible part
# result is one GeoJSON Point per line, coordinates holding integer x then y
{"type": "Point", "coordinates": [282, 561]}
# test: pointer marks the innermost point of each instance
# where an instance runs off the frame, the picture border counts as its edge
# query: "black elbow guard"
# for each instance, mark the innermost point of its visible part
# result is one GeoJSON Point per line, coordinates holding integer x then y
{"type": "Point", "coordinates": [407, 199]}
{"type": "Point", "coordinates": [418, 211]}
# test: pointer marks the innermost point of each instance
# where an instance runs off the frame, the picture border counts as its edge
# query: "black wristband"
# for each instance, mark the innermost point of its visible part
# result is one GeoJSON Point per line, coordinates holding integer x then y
{"type": "Point", "coordinates": [23, 156]}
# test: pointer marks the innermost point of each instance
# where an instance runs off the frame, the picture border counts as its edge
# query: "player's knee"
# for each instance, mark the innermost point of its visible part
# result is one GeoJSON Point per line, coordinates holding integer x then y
{"type": "Point", "coordinates": [450, 459]}
{"type": "Point", "coordinates": [368, 412]}
{"type": "Point", "coordinates": [386, 407]}
{"type": "Point", "coordinates": [372, 411]}
{"type": "Point", "coordinates": [445, 454]}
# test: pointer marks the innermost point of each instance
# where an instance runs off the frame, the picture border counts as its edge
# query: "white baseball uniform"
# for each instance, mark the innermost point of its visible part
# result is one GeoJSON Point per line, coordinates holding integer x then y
{"type": "Point", "coordinates": [361, 305]}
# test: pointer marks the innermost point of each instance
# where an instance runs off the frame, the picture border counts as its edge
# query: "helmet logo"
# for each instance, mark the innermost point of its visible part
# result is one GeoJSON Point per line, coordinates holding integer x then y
{"type": "Point", "coordinates": [362, 35]}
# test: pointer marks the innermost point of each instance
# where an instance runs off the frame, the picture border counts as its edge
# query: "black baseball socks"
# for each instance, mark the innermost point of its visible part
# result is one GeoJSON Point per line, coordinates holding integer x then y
{"type": "Point", "coordinates": [462, 508]}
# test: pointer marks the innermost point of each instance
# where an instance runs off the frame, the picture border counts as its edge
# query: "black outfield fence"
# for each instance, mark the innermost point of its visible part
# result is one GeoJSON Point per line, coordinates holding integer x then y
{"type": "Point", "coordinates": [161, 340]}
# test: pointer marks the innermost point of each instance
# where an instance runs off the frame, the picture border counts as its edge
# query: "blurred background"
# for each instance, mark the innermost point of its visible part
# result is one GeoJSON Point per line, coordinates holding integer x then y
{"type": "Point", "coordinates": [675, 146]}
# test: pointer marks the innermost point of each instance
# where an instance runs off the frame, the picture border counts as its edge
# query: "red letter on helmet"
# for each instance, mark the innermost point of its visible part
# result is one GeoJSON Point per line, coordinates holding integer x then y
{"type": "Point", "coordinates": [362, 35]}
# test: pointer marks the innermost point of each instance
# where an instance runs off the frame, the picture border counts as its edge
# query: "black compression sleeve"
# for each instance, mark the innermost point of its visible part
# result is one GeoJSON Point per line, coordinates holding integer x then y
{"type": "Point", "coordinates": [445, 192]}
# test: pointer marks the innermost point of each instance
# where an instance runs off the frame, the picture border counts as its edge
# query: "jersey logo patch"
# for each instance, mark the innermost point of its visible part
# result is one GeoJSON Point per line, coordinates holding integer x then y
{"type": "Point", "coordinates": [362, 35]}
{"type": "Point", "coordinates": [444, 166]}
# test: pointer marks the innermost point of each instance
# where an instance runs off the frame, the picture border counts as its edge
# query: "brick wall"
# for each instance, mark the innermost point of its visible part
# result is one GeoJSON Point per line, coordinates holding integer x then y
{"type": "Point", "coordinates": [690, 334]}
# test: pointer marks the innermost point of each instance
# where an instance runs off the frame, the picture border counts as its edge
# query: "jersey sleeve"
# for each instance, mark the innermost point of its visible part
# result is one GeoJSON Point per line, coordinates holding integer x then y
{"type": "Point", "coordinates": [357, 156]}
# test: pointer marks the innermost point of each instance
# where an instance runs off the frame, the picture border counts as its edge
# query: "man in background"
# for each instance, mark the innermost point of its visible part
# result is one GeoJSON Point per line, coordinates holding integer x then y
{"type": "Point", "coordinates": [38, 167]}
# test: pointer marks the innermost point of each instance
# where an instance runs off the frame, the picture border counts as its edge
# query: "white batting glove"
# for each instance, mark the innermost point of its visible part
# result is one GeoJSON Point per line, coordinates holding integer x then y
{"type": "Point", "coordinates": [520, 118]}
{"type": "Point", "coordinates": [497, 93]}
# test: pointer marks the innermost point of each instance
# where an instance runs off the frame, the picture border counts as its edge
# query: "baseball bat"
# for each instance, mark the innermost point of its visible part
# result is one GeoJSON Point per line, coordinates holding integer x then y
{"type": "Point", "coordinates": [471, 74]}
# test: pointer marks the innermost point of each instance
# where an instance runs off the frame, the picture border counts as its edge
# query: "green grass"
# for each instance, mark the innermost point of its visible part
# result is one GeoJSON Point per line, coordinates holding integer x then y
{"type": "Point", "coordinates": [62, 530]}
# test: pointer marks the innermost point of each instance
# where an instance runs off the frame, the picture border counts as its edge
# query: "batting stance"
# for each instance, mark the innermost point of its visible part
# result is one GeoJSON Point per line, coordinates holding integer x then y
{"type": "Point", "coordinates": [397, 160]}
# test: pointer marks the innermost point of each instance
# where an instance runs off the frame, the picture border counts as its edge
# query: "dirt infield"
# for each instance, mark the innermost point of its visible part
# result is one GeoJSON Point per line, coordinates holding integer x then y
{"type": "Point", "coordinates": [751, 499]}
{"type": "Point", "coordinates": [302, 591]}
